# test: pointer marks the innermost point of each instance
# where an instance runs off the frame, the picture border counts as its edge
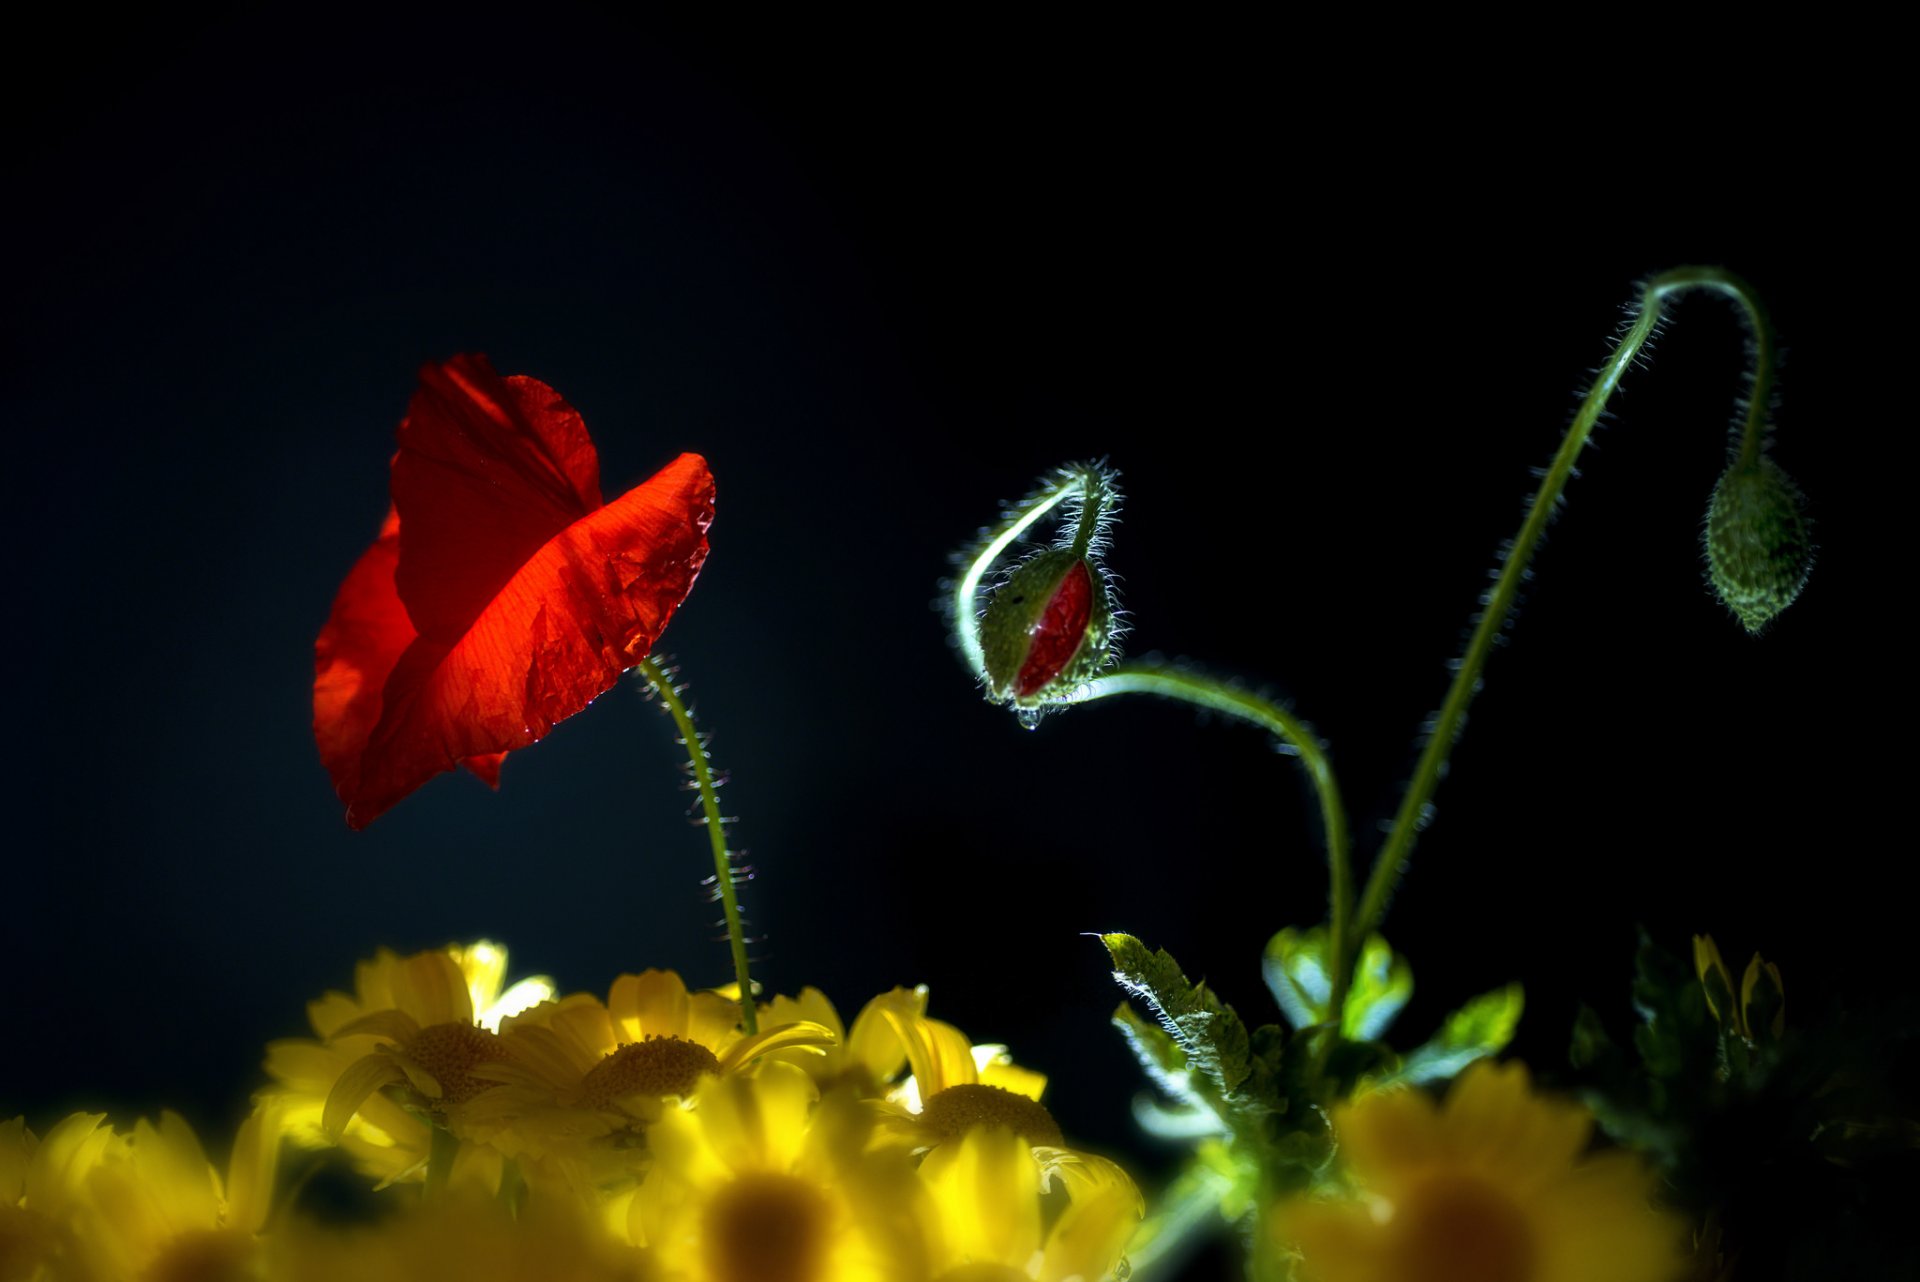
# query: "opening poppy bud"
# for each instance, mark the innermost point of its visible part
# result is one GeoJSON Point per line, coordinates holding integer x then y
{"type": "Point", "coordinates": [1046, 629]}
{"type": "Point", "coordinates": [1758, 552]}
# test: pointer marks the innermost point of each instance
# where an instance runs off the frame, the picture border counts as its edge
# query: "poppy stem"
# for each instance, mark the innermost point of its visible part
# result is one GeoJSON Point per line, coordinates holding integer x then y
{"type": "Point", "coordinates": [1415, 808]}
{"type": "Point", "coordinates": [702, 767]}
{"type": "Point", "coordinates": [1298, 739]}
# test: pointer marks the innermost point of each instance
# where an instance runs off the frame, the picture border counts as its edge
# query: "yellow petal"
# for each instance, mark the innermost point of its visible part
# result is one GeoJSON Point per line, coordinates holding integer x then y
{"type": "Point", "coordinates": [758, 1122]}
{"type": "Point", "coordinates": [987, 1187]}
{"type": "Point", "coordinates": [524, 995]}
{"type": "Point", "coordinates": [17, 1144]}
{"type": "Point", "coordinates": [940, 1054]}
{"type": "Point", "coordinates": [395, 1025]}
{"type": "Point", "coordinates": [873, 1044]}
{"type": "Point", "coordinates": [1009, 1076]}
{"type": "Point", "coordinates": [714, 1020]}
{"type": "Point", "coordinates": [362, 1078]}
{"type": "Point", "coordinates": [71, 1149]}
{"type": "Point", "coordinates": [430, 987]}
{"type": "Point", "coordinates": [651, 1004]}
{"type": "Point", "coordinates": [484, 966]}
{"type": "Point", "coordinates": [798, 1033]}
{"type": "Point", "coordinates": [251, 1169]}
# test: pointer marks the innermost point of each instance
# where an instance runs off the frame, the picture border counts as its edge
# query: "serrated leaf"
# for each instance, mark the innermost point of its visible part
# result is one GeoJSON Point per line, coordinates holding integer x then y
{"type": "Point", "coordinates": [1214, 1039]}
{"type": "Point", "coordinates": [1482, 1027]}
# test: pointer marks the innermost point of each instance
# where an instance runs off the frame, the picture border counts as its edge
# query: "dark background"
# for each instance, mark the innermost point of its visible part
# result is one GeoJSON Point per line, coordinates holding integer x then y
{"type": "Point", "coordinates": [1323, 312]}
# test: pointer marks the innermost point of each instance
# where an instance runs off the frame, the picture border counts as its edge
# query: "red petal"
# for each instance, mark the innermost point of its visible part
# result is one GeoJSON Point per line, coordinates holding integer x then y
{"type": "Point", "coordinates": [487, 768]}
{"type": "Point", "coordinates": [1059, 632]}
{"type": "Point", "coordinates": [488, 470]}
{"type": "Point", "coordinates": [585, 607]}
{"type": "Point", "coordinates": [364, 638]}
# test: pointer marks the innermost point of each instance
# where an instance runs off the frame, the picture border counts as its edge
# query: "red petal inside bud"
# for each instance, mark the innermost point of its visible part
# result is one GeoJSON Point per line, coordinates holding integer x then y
{"type": "Point", "coordinates": [1058, 632]}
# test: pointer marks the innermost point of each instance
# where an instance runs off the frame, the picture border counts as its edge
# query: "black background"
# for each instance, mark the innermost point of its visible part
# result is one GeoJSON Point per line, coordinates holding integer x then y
{"type": "Point", "coordinates": [1323, 311]}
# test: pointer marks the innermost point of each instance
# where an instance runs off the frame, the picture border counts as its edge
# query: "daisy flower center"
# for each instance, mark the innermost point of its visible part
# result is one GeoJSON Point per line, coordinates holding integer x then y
{"type": "Point", "coordinates": [1455, 1228]}
{"type": "Point", "coordinates": [951, 1113]}
{"type": "Point", "coordinates": [764, 1227]}
{"type": "Point", "coordinates": [450, 1052]}
{"type": "Point", "coordinates": [657, 1066]}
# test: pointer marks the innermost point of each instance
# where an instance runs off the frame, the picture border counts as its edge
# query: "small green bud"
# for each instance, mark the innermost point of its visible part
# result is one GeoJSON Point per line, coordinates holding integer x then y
{"type": "Point", "coordinates": [1758, 552]}
{"type": "Point", "coordinates": [1046, 628]}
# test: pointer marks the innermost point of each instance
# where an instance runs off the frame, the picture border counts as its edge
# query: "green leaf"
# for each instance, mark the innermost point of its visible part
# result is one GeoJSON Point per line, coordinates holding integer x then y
{"type": "Point", "coordinates": [1382, 983]}
{"type": "Point", "coordinates": [1206, 1029]}
{"type": "Point", "coordinates": [1295, 969]}
{"type": "Point", "coordinates": [1482, 1027]}
{"type": "Point", "coordinates": [1165, 1063]}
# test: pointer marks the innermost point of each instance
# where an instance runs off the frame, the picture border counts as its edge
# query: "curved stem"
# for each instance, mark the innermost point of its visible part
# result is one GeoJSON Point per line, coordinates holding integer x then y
{"type": "Point", "coordinates": [716, 833]}
{"type": "Point", "coordinates": [1206, 692]}
{"type": "Point", "coordinates": [1391, 862]}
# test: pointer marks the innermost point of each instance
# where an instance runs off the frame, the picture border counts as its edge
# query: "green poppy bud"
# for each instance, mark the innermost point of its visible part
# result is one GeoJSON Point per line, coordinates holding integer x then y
{"type": "Point", "coordinates": [1046, 628]}
{"type": "Point", "coordinates": [1758, 552]}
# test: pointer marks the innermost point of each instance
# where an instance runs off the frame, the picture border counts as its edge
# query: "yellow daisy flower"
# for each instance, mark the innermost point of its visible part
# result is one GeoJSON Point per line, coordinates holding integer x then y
{"type": "Point", "coordinates": [989, 1225]}
{"type": "Point", "coordinates": [578, 1070]}
{"type": "Point", "coordinates": [423, 1022]}
{"type": "Point", "coordinates": [956, 1085]}
{"type": "Point", "coordinates": [1489, 1187]}
{"type": "Point", "coordinates": [763, 1181]}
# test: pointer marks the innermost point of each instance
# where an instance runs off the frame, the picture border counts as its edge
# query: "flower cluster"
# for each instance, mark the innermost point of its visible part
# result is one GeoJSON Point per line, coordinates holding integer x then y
{"type": "Point", "coordinates": [643, 1135]}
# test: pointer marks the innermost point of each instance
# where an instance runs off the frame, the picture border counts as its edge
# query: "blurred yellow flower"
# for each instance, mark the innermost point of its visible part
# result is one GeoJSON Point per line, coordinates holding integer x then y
{"type": "Point", "coordinates": [461, 1238]}
{"type": "Point", "coordinates": [145, 1206]}
{"type": "Point", "coordinates": [763, 1181]}
{"type": "Point", "coordinates": [1489, 1187]}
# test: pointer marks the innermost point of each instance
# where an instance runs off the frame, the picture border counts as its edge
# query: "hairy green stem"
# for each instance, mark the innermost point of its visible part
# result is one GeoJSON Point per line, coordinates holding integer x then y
{"type": "Point", "coordinates": [1207, 692]}
{"type": "Point", "coordinates": [1391, 862]}
{"type": "Point", "coordinates": [716, 833]}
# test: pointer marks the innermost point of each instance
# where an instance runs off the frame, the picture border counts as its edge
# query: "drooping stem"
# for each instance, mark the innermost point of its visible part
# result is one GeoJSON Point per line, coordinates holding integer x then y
{"type": "Point", "coordinates": [1391, 862]}
{"type": "Point", "coordinates": [702, 766]}
{"type": "Point", "coordinates": [1207, 692]}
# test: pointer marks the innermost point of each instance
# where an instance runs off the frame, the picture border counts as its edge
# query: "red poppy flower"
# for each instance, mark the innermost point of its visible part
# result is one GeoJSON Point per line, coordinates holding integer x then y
{"type": "Point", "coordinates": [502, 596]}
